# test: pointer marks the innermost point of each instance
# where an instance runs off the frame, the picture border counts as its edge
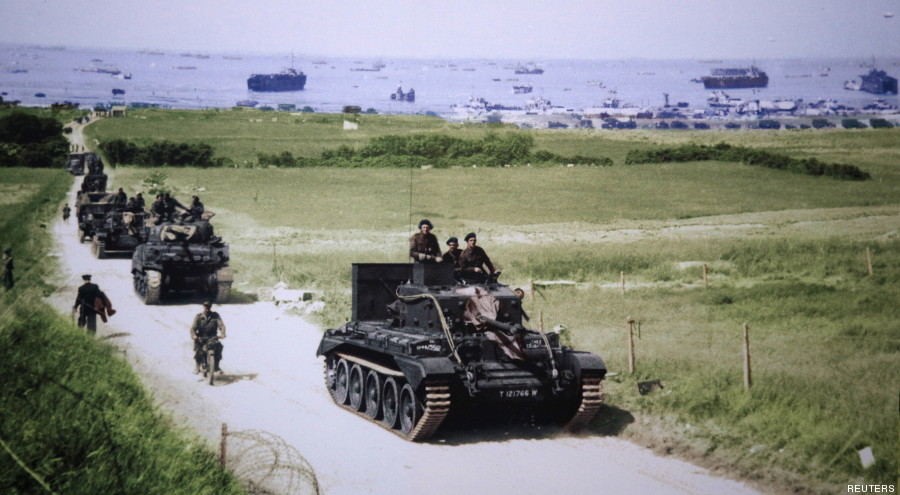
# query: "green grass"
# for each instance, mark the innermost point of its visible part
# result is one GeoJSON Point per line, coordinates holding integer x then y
{"type": "Point", "coordinates": [786, 255]}
{"type": "Point", "coordinates": [74, 417]}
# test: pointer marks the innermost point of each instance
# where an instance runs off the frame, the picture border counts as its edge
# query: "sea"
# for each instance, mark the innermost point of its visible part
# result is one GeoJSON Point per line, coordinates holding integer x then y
{"type": "Point", "coordinates": [42, 75]}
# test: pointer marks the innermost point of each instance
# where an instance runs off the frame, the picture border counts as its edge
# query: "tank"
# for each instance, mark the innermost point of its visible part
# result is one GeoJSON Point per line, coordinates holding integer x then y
{"type": "Point", "coordinates": [120, 232]}
{"type": "Point", "coordinates": [94, 180]}
{"type": "Point", "coordinates": [421, 347]}
{"type": "Point", "coordinates": [90, 210]}
{"type": "Point", "coordinates": [182, 258]}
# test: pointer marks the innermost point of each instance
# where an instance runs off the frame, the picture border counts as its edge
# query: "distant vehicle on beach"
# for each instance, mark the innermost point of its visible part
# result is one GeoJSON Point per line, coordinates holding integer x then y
{"type": "Point", "coordinates": [736, 78]}
{"type": "Point", "coordinates": [287, 80]}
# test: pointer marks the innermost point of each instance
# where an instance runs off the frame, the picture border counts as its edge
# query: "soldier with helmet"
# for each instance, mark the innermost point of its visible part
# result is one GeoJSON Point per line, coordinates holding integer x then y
{"type": "Point", "coordinates": [207, 324]}
{"type": "Point", "coordinates": [423, 245]}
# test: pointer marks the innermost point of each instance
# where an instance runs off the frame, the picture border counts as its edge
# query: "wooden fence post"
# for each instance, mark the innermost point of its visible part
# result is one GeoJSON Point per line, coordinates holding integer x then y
{"type": "Point", "coordinates": [541, 320]}
{"type": "Point", "coordinates": [531, 288]}
{"type": "Point", "coordinates": [223, 443]}
{"type": "Point", "coordinates": [622, 275]}
{"type": "Point", "coordinates": [748, 379]}
{"type": "Point", "coordinates": [630, 322]}
{"type": "Point", "coordinates": [869, 260]}
{"type": "Point", "coordinates": [705, 275]}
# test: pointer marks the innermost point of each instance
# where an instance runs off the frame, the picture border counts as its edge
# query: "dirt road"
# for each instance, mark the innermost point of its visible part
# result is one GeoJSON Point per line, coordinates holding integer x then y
{"type": "Point", "coordinates": [274, 384]}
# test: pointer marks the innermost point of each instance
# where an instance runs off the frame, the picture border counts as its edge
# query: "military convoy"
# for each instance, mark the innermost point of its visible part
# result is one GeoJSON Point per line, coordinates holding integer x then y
{"type": "Point", "coordinates": [421, 345]}
{"type": "Point", "coordinates": [168, 258]}
{"type": "Point", "coordinates": [181, 258]}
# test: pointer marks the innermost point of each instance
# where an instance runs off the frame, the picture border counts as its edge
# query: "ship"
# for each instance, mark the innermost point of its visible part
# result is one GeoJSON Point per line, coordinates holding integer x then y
{"type": "Point", "coordinates": [522, 88]}
{"type": "Point", "coordinates": [401, 96]}
{"type": "Point", "coordinates": [736, 78]}
{"type": "Point", "coordinates": [288, 80]}
{"type": "Point", "coordinates": [878, 82]}
{"type": "Point", "coordinates": [529, 70]}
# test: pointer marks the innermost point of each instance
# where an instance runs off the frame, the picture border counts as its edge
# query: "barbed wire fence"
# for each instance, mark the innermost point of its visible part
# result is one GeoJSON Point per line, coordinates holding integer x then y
{"type": "Point", "coordinates": [265, 464]}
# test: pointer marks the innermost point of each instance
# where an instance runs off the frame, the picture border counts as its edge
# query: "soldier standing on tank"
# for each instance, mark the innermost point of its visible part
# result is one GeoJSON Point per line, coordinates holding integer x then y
{"type": "Point", "coordinates": [195, 213]}
{"type": "Point", "coordinates": [474, 263]}
{"type": "Point", "coordinates": [169, 205]}
{"type": "Point", "coordinates": [66, 213]}
{"type": "Point", "coordinates": [84, 303]}
{"type": "Point", "coordinates": [207, 324]}
{"type": "Point", "coordinates": [158, 209]}
{"type": "Point", "coordinates": [8, 281]}
{"type": "Point", "coordinates": [423, 245]}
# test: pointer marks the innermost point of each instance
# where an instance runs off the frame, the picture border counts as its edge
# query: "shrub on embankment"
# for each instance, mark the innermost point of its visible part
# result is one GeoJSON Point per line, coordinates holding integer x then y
{"type": "Point", "coordinates": [437, 150]}
{"type": "Point", "coordinates": [750, 156]}
{"type": "Point", "coordinates": [28, 140]}
{"type": "Point", "coordinates": [73, 416]}
{"type": "Point", "coordinates": [160, 153]}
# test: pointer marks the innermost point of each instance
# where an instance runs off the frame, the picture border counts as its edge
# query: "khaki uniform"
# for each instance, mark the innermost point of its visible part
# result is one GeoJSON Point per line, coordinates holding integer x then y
{"type": "Point", "coordinates": [424, 244]}
{"type": "Point", "coordinates": [475, 257]}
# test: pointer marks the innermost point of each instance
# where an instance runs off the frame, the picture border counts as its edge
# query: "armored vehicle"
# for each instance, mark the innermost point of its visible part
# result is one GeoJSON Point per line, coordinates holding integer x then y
{"type": "Point", "coordinates": [90, 210]}
{"type": "Point", "coordinates": [75, 164]}
{"type": "Point", "coordinates": [181, 257]}
{"type": "Point", "coordinates": [95, 179]}
{"type": "Point", "coordinates": [421, 346]}
{"type": "Point", "coordinates": [119, 233]}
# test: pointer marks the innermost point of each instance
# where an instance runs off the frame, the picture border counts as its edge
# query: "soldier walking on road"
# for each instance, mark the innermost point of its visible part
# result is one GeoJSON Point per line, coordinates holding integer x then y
{"type": "Point", "coordinates": [90, 302]}
{"type": "Point", "coordinates": [67, 212]}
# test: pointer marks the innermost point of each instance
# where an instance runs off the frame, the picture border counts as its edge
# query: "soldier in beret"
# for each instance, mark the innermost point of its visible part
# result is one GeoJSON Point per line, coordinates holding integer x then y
{"type": "Point", "coordinates": [474, 263]}
{"type": "Point", "coordinates": [423, 245]}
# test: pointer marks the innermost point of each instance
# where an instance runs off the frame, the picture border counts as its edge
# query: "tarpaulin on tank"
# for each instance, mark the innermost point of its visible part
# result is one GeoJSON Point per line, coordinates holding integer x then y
{"type": "Point", "coordinates": [482, 303]}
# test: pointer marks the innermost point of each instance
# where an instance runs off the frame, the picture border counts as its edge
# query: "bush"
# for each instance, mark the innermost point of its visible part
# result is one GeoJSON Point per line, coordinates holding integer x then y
{"type": "Point", "coordinates": [30, 141]}
{"type": "Point", "coordinates": [159, 153]}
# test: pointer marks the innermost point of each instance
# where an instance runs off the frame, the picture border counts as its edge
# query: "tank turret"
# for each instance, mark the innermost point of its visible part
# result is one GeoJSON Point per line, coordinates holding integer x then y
{"type": "Point", "coordinates": [421, 346]}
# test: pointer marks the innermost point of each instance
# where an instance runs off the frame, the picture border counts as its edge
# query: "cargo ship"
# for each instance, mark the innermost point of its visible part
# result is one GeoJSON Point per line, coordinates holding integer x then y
{"type": "Point", "coordinates": [737, 78]}
{"type": "Point", "coordinates": [878, 82]}
{"type": "Point", "coordinates": [288, 80]}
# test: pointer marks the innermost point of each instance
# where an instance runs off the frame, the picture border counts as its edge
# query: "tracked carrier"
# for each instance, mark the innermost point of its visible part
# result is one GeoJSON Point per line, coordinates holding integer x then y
{"type": "Point", "coordinates": [90, 210]}
{"type": "Point", "coordinates": [120, 233]}
{"type": "Point", "coordinates": [421, 346]}
{"type": "Point", "coordinates": [182, 258]}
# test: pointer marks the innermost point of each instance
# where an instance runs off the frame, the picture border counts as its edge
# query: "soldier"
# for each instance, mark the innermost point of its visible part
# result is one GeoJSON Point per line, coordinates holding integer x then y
{"type": "Point", "coordinates": [86, 303]}
{"type": "Point", "coordinates": [169, 205]}
{"type": "Point", "coordinates": [158, 209]}
{"type": "Point", "coordinates": [136, 204]}
{"type": "Point", "coordinates": [8, 269]}
{"type": "Point", "coordinates": [452, 254]}
{"type": "Point", "coordinates": [207, 325]}
{"type": "Point", "coordinates": [195, 213]}
{"type": "Point", "coordinates": [474, 263]}
{"type": "Point", "coordinates": [120, 198]}
{"type": "Point", "coordinates": [66, 213]}
{"type": "Point", "coordinates": [423, 245]}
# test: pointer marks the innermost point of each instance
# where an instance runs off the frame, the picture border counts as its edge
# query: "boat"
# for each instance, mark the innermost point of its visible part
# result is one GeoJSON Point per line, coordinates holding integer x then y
{"type": "Point", "coordinates": [878, 82]}
{"type": "Point", "coordinates": [117, 91]}
{"type": "Point", "coordinates": [247, 103]}
{"type": "Point", "coordinates": [287, 80]}
{"type": "Point", "coordinates": [522, 88]}
{"type": "Point", "coordinates": [399, 95]}
{"type": "Point", "coordinates": [736, 78]}
{"type": "Point", "coordinates": [100, 70]}
{"type": "Point", "coordinates": [39, 95]}
{"type": "Point", "coordinates": [529, 70]}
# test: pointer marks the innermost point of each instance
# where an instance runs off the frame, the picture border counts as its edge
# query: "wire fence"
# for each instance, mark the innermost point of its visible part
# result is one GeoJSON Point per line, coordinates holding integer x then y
{"type": "Point", "coordinates": [265, 464]}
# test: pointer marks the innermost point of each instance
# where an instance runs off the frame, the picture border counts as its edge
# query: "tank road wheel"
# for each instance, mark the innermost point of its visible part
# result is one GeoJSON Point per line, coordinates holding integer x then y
{"type": "Point", "coordinates": [224, 279]}
{"type": "Point", "coordinates": [341, 382]}
{"type": "Point", "coordinates": [99, 248]}
{"type": "Point", "coordinates": [410, 412]}
{"type": "Point", "coordinates": [153, 288]}
{"type": "Point", "coordinates": [390, 399]}
{"type": "Point", "coordinates": [355, 387]}
{"type": "Point", "coordinates": [372, 395]}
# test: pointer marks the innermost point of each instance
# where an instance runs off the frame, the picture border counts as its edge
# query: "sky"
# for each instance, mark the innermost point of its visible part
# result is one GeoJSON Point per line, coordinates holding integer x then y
{"type": "Point", "coordinates": [514, 29]}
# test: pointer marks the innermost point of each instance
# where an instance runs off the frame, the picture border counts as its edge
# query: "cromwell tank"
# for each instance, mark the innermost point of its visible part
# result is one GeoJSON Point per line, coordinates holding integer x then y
{"type": "Point", "coordinates": [420, 346]}
{"type": "Point", "coordinates": [182, 258]}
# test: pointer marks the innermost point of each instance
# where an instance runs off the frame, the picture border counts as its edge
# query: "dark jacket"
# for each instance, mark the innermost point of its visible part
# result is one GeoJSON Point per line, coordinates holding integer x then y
{"type": "Point", "coordinates": [207, 325]}
{"type": "Point", "coordinates": [426, 244]}
{"type": "Point", "coordinates": [87, 297]}
{"type": "Point", "coordinates": [452, 256]}
{"type": "Point", "coordinates": [475, 257]}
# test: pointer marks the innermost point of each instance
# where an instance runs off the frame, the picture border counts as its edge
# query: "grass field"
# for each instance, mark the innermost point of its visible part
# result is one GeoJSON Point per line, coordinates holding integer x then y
{"type": "Point", "coordinates": [787, 255]}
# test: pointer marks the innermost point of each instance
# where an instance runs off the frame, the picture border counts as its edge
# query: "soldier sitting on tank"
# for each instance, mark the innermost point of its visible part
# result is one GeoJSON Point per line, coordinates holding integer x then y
{"type": "Point", "coordinates": [423, 245]}
{"type": "Point", "coordinates": [452, 255]}
{"type": "Point", "coordinates": [135, 204]}
{"type": "Point", "coordinates": [120, 198]}
{"type": "Point", "coordinates": [169, 205]}
{"type": "Point", "coordinates": [195, 212]}
{"type": "Point", "coordinates": [157, 210]}
{"type": "Point", "coordinates": [207, 325]}
{"type": "Point", "coordinates": [474, 263]}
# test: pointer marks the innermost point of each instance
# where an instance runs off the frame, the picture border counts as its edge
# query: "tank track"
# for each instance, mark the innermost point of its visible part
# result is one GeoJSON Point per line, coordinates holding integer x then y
{"type": "Point", "coordinates": [591, 401]}
{"type": "Point", "coordinates": [436, 407]}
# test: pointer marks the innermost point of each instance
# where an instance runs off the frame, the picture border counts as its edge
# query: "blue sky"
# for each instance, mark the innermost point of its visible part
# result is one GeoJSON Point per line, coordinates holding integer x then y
{"type": "Point", "coordinates": [601, 29]}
